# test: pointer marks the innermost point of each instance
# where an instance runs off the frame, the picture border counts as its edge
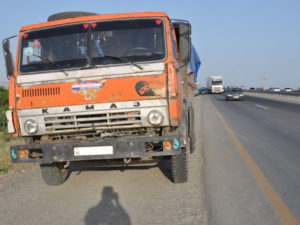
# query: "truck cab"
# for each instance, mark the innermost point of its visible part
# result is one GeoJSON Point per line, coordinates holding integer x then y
{"type": "Point", "coordinates": [215, 84]}
{"type": "Point", "coordinates": [102, 90]}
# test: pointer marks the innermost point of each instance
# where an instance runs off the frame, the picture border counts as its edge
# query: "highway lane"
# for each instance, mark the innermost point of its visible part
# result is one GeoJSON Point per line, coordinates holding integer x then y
{"type": "Point", "coordinates": [280, 105]}
{"type": "Point", "coordinates": [270, 133]}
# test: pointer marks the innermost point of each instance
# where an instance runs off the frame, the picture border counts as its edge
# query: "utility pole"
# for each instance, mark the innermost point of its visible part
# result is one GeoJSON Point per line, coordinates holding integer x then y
{"type": "Point", "coordinates": [265, 81]}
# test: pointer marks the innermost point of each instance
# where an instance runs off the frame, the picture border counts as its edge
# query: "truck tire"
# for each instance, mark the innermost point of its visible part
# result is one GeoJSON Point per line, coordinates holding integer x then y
{"type": "Point", "coordinates": [54, 173]}
{"type": "Point", "coordinates": [67, 15]}
{"type": "Point", "coordinates": [191, 130]}
{"type": "Point", "coordinates": [179, 167]}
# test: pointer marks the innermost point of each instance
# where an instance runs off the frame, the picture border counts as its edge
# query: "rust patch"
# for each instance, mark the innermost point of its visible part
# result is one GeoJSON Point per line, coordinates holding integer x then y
{"type": "Point", "coordinates": [175, 122]}
{"type": "Point", "coordinates": [115, 96]}
{"type": "Point", "coordinates": [158, 89]}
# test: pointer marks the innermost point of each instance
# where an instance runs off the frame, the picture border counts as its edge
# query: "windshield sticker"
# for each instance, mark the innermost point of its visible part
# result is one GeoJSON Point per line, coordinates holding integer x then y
{"type": "Point", "coordinates": [88, 89]}
{"type": "Point", "coordinates": [28, 51]}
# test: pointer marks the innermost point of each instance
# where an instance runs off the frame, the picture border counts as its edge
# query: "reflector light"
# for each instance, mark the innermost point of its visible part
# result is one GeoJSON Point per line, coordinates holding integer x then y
{"type": "Point", "coordinates": [23, 152]}
{"type": "Point", "coordinates": [25, 35]}
{"type": "Point", "coordinates": [158, 22]}
{"type": "Point", "coordinates": [85, 26]}
{"type": "Point", "coordinates": [94, 25]}
{"type": "Point", "coordinates": [168, 145]}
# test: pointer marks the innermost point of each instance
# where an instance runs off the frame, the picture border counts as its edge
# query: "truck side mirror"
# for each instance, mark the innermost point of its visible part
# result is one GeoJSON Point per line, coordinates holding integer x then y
{"type": "Point", "coordinates": [183, 35]}
{"type": "Point", "coordinates": [9, 62]}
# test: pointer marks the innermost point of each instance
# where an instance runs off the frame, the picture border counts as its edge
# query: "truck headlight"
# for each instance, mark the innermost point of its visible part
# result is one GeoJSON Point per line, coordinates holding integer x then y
{"type": "Point", "coordinates": [31, 126]}
{"type": "Point", "coordinates": [155, 117]}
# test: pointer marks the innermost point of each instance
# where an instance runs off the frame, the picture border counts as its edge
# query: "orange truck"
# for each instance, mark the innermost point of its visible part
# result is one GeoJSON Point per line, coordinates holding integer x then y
{"type": "Point", "coordinates": [100, 90]}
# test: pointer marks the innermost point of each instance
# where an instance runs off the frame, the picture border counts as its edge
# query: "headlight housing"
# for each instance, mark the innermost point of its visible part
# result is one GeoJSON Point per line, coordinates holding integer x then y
{"type": "Point", "coordinates": [31, 126]}
{"type": "Point", "coordinates": [155, 117]}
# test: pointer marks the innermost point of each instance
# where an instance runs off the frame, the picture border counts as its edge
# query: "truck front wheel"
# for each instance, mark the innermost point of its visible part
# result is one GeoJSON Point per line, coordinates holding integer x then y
{"type": "Point", "coordinates": [54, 173]}
{"type": "Point", "coordinates": [179, 166]}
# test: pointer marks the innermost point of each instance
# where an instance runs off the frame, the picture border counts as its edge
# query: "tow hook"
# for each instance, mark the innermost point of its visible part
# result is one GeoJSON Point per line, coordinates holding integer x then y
{"type": "Point", "coordinates": [67, 165]}
{"type": "Point", "coordinates": [126, 161]}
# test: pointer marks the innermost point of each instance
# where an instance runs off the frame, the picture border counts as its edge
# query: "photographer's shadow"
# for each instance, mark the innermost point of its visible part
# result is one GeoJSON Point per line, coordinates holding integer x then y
{"type": "Point", "coordinates": [108, 211]}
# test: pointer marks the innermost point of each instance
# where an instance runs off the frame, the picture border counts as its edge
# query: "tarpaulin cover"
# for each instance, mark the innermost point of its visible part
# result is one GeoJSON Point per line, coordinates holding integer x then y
{"type": "Point", "coordinates": [194, 64]}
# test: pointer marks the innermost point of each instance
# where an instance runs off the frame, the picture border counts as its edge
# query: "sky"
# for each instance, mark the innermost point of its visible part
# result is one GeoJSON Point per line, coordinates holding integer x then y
{"type": "Point", "coordinates": [244, 41]}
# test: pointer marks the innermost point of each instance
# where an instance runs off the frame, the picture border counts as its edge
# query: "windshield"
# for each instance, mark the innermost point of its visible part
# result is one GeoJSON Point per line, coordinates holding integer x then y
{"type": "Point", "coordinates": [216, 82]}
{"type": "Point", "coordinates": [93, 44]}
{"type": "Point", "coordinates": [136, 40]}
{"type": "Point", "coordinates": [60, 45]}
{"type": "Point", "coordinates": [236, 90]}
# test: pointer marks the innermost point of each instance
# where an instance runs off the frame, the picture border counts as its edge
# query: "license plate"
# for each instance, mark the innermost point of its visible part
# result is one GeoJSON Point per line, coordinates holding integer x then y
{"type": "Point", "coordinates": [235, 96]}
{"type": "Point", "coordinates": [95, 150]}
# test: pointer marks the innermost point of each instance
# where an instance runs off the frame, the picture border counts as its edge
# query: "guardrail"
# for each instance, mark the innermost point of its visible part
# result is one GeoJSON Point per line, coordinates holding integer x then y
{"type": "Point", "coordinates": [294, 93]}
{"type": "Point", "coordinates": [293, 97]}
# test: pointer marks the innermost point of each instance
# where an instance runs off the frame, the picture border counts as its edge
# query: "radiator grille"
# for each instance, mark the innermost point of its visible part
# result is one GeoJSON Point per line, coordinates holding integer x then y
{"type": "Point", "coordinates": [217, 89]}
{"type": "Point", "coordinates": [37, 92]}
{"type": "Point", "coordinates": [84, 122]}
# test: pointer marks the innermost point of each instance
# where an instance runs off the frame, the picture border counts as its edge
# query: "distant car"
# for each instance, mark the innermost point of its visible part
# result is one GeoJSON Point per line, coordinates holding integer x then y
{"type": "Point", "coordinates": [288, 90]}
{"type": "Point", "coordinates": [234, 94]}
{"type": "Point", "coordinates": [252, 89]}
{"type": "Point", "coordinates": [275, 89]}
{"type": "Point", "coordinates": [203, 90]}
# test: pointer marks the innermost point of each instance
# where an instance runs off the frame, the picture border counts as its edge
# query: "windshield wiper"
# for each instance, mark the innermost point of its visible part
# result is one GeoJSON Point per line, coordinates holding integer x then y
{"type": "Point", "coordinates": [123, 59]}
{"type": "Point", "coordinates": [53, 63]}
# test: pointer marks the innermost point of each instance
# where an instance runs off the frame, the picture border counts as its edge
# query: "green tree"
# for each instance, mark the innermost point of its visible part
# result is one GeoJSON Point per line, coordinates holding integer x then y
{"type": "Point", "coordinates": [3, 107]}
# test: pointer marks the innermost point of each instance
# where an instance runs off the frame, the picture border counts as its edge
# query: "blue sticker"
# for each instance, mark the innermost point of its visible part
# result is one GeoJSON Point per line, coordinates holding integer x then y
{"type": "Point", "coordinates": [175, 144]}
{"type": "Point", "coordinates": [13, 154]}
{"type": "Point", "coordinates": [88, 85]}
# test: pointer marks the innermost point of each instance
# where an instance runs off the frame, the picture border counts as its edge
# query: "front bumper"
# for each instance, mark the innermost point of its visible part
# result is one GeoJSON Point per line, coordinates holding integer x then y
{"type": "Point", "coordinates": [133, 147]}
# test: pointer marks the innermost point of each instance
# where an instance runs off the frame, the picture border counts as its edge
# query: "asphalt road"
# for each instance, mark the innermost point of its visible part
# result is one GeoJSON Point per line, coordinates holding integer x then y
{"type": "Point", "coordinates": [91, 197]}
{"type": "Point", "coordinates": [243, 142]}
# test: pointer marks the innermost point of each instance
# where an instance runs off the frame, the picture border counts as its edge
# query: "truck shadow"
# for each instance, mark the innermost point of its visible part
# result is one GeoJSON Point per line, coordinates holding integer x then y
{"type": "Point", "coordinates": [108, 211]}
{"type": "Point", "coordinates": [165, 167]}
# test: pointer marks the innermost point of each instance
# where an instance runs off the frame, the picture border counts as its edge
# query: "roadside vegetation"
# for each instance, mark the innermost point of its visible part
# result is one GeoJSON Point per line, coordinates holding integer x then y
{"type": "Point", "coordinates": [5, 160]}
{"type": "Point", "coordinates": [3, 107]}
{"type": "Point", "coordinates": [5, 163]}
{"type": "Point", "coordinates": [5, 139]}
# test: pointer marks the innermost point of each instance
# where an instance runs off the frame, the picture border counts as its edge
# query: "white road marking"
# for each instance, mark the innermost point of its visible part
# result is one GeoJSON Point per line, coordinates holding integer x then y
{"type": "Point", "coordinates": [263, 107]}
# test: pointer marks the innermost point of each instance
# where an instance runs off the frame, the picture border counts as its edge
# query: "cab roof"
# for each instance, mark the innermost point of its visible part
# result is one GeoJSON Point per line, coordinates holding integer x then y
{"type": "Point", "coordinates": [93, 18]}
